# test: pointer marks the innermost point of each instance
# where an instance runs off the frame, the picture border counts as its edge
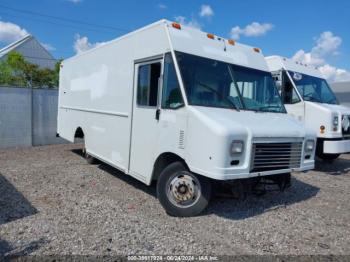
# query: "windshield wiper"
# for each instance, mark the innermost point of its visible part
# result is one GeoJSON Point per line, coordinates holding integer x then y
{"type": "Point", "coordinates": [269, 106]}
{"type": "Point", "coordinates": [220, 95]}
{"type": "Point", "coordinates": [331, 101]}
{"type": "Point", "coordinates": [313, 99]}
{"type": "Point", "coordinates": [310, 97]}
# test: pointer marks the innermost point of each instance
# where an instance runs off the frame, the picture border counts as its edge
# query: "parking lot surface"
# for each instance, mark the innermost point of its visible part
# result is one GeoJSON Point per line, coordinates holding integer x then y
{"type": "Point", "coordinates": [53, 202]}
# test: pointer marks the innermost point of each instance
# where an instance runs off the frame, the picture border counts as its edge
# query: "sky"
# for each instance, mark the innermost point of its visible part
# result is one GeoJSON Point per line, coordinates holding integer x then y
{"type": "Point", "coordinates": [314, 32]}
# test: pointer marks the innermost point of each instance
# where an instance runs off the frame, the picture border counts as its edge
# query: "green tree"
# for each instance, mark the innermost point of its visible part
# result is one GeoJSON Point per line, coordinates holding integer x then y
{"type": "Point", "coordinates": [15, 70]}
{"type": "Point", "coordinates": [6, 76]}
{"type": "Point", "coordinates": [56, 74]}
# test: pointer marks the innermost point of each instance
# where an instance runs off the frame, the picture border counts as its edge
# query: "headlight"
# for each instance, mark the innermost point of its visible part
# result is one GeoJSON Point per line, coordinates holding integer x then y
{"type": "Point", "coordinates": [237, 147]}
{"type": "Point", "coordinates": [335, 123]}
{"type": "Point", "coordinates": [309, 145]}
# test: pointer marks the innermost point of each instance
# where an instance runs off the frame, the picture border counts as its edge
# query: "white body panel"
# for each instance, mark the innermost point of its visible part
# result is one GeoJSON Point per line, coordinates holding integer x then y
{"type": "Point", "coordinates": [209, 156]}
{"type": "Point", "coordinates": [96, 90]}
{"type": "Point", "coordinates": [97, 93]}
{"type": "Point", "coordinates": [314, 114]}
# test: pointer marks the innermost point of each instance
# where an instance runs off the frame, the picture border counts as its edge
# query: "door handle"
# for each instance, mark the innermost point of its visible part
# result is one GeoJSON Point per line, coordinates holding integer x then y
{"type": "Point", "coordinates": [157, 114]}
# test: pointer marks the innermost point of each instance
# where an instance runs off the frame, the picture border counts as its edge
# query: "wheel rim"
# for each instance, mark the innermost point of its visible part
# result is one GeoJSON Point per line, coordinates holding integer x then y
{"type": "Point", "coordinates": [183, 189]}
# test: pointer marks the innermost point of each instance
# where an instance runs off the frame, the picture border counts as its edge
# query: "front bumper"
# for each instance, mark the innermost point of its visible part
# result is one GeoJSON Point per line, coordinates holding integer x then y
{"type": "Point", "coordinates": [263, 157]}
{"type": "Point", "coordinates": [230, 174]}
{"type": "Point", "coordinates": [336, 146]}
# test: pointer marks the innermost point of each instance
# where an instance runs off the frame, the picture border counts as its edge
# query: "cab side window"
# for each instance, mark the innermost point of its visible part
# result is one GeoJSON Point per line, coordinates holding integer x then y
{"type": "Point", "coordinates": [289, 95]}
{"type": "Point", "coordinates": [172, 97]}
{"type": "Point", "coordinates": [147, 85]}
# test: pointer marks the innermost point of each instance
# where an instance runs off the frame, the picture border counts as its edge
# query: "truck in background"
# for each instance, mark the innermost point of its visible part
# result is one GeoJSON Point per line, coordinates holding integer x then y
{"type": "Point", "coordinates": [342, 92]}
{"type": "Point", "coordinates": [308, 97]}
{"type": "Point", "coordinates": [183, 107]}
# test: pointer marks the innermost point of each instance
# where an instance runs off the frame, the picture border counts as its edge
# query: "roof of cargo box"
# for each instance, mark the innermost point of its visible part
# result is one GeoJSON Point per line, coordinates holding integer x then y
{"type": "Point", "coordinates": [191, 40]}
{"type": "Point", "coordinates": [194, 41]}
{"type": "Point", "coordinates": [276, 63]}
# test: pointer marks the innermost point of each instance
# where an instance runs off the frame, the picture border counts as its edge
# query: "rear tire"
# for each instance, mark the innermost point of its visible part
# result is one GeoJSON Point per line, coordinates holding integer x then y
{"type": "Point", "coordinates": [182, 193]}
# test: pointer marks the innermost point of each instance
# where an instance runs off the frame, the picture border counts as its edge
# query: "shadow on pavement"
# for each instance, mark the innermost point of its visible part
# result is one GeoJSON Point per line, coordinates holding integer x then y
{"type": "Point", "coordinates": [13, 205]}
{"type": "Point", "coordinates": [255, 205]}
{"type": "Point", "coordinates": [78, 151]}
{"type": "Point", "coordinates": [4, 247]}
{"type": "Point", "coordinates": [151, 190]}
{"type": "Point", "coordinates": [232, 208]}
{"type": "Point", "coordinates": [8, 251]}
{"type": "Point", "coordinates": [340, 166]}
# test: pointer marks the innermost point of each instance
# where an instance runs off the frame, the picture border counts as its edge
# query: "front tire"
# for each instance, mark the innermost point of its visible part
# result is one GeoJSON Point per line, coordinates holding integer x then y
{"type": "Point", "coordinates": [182, 193]}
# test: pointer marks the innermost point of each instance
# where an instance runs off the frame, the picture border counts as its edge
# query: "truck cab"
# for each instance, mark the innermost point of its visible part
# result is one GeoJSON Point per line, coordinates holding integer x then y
{"type": "Point", "coordinates": [308, 97]}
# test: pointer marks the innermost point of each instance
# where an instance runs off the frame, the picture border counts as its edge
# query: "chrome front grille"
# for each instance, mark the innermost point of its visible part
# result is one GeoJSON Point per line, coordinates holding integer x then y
{"type": "Point", "coordinates": [276, 156]}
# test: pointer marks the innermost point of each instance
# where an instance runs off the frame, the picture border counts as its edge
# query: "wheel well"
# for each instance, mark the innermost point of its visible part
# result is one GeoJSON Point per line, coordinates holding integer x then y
{"type": "Point", "coordinates": [79, 133]}
{"type": "Point", "coordinates": [163, 161]}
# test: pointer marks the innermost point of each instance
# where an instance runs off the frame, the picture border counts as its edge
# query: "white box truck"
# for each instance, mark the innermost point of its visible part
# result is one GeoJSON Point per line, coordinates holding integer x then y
{"type": "Point", "coordinates": [183, 107]}
{"type": "Point", "coordinates": [308, 97]}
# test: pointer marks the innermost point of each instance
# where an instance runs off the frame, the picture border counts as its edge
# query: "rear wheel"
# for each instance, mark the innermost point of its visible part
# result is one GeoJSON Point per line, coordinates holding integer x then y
{"type": "Point", "coordinates": [182, 193]}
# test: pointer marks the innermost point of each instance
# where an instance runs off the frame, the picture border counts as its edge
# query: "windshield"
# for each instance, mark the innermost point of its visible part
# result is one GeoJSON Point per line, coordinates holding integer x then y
{"type": "Point", "coordinates": [313, 89]}
{"type": "Point", "coordinates": [214, 83]}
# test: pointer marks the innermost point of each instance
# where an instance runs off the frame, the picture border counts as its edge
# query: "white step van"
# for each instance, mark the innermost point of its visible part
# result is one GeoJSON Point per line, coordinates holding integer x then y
{"type": "Point", "coordinates": [308, 97]}
{"type": "Point", "coordinates": [183, 107]}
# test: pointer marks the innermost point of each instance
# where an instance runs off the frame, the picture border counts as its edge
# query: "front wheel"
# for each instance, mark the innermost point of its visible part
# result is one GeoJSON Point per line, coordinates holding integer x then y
{"type": "Point", "coordinates": [182, 193]}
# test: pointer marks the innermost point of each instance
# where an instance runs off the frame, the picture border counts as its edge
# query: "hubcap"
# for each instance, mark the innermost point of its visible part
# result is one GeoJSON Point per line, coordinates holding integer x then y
{"type": "Point", "coordinates": [183, 189]}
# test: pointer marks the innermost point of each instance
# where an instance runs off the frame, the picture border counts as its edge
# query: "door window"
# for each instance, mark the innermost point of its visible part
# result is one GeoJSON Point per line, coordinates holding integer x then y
{"type": "Point", "coordinates": [171, 97]}
{"type": "Point", "coordinates": [289, 95]}
{"type": "Point", "coordinates": [147, 85]}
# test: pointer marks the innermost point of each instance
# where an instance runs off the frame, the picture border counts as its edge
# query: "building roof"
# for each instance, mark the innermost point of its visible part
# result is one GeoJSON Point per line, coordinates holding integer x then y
{"type": "Point", "coordinates": [7, 49]}
{"type": "Point", "coordinates": [32, 50]}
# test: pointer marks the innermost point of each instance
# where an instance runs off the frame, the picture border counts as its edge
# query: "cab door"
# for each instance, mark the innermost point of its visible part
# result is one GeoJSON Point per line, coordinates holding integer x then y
{"type": "Point", "coordinates": [294, 105]}
{"type": "Point", "coordinates": [145, 116]}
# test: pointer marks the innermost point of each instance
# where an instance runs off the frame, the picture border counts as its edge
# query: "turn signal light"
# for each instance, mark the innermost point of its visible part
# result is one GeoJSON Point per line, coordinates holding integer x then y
{"type": "Point", "coordinates": [257, 49]}
{"type": "Point", "coordinates": [231, 42]}
{"type": "Point", "coordinates": [176, 25]}
{"type": "Point", "coordinates": [211, 36]}
{"type": "Point", "coordinates": [322, 129]}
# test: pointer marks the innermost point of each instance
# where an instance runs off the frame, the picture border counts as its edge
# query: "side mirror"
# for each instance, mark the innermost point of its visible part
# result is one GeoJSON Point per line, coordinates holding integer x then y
{"type": "Point", "coordinates": [176, 105]}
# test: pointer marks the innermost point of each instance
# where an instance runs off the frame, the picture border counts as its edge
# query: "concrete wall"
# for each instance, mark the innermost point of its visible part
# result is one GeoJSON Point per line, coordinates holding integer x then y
{"type": "Point", "coordinates": [342, 91]}
{"type": "Point", "coordinates": [15, 117]}
{"type": "Point", "coordinates": [25, 122]}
